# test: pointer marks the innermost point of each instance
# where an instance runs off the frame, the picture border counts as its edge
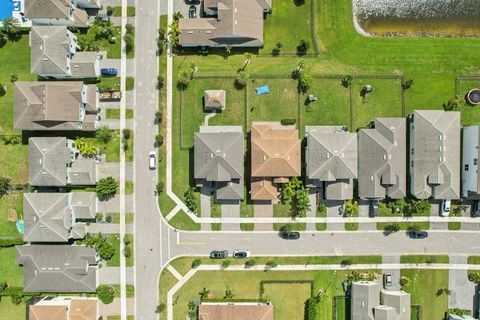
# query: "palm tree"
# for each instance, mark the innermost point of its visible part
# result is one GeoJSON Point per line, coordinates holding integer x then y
{"type": "Point", "coordinates": [204, 293]}
{"type": "Point", "coordinates": [13, 77]}
{"type": "Point", "coordinates": [248, 60]}
{"type": "Point", "coordinates": [183, 79]}
{"type": "Point", "coordinates": [11, 25]}
{"type": "Point", "coordinates": [3, 39]}
{"type": "Point", "coordinates": [177, 15]}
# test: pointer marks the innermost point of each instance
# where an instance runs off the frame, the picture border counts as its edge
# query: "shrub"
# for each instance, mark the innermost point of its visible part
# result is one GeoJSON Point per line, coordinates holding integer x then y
{"type": "Point", "coordinates": [108, 219]}
{"type": "Point", "coordinates": [4, 186]}
{"type": "Point", "coordinates": [16, 299]}
{"type": "Point", "coordinates": [158, 140]}
{"type": "Point", "coordinates": [271, 264]}
{"type": "Point", "coordinates": [127, 251]}
{"type": "Point", "coordinates": [103, 134]}
{"type": "Point", "coordinates": [161, 308]}
{"type": "Point", "coordinates": [10, 242]}
{"type": "Point", "coordinates": [183, 80]}
{"type": "Point", "coordinates": [311, 308]}
{"type": "Point", "coordinates": [190, 200]}
{"type": "Point", "coordinates": [160, 187]}
{"type": "Point", "coordinates": [3, 90]}
{"type": "Point", "coordinates": [288, 122]}
{"type": "Point", "coordinates": [158, 116]}
{"type": "Point", "coordinates": [391, 228]}
{"type": "Point", "coordinates": [250, 263]}
{"type": "Point", "coordinates": [99, 216]}
{"type": "Point", "coordinates": [127, 240]}
{"type": "Point", "coordinates": [346, 262]}
{"type": "Point", "coordinates": [347, 81]}
{"type": "Point", "coordinates": [161, 81]}
{"type": "Point", "coordinates": [305, 82]}
{"type": "Point", "coordinates": [241, 79]}
{"type": "Point", "coordinates": [226, 264]}
{"type": "Point", "coordinates": [303, 46]}
{"type": "Point", "coordinates": [196, 263]}
{"type": "Point", "coordinates": [106, 293]}
{"type": "Point", "coordinates": [106, 187]}
{"type": "Point", "coordinates": [126, 134]}
{"type": "Point", "coordinates": [13, 77]}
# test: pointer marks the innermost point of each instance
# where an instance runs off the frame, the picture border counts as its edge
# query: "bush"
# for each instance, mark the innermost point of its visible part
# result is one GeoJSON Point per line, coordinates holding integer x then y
{"type": "Point", "coordinates": [303, 46]}
{"type": "Point", "coordinates": [190, 200]}
{"type": "Point", "coordinates": [346, 262]}
{"type": "Point", "coordinates": [161, 81]}
{"type": "Point", "coordinates": [10, 242]}
{"type": "Point", "coordinates": [106, 187]}
{"type": "Point", "coordinates": [126, 134]}
{"type": "Point", "coordinates": [102, 246]}
{"type": "Point", "coordinates": [99, 216]}
{"type": "Point", "coordinates": [288, 122]}
{"type": "Point", "coordinates": [158, 116]}
{"type": "Point", "coordinates": [271, 264]}
{"type": "Point", "coordinates": [160, 187]}
{"type": "Point", "coordinates": [4, 186]}
{"type": "Point", "coordinates": [103, 135]}
{"type": "Point", "coordinates": [158, 140]}
{"type": "Point", "coordinates": [161, 308]}
{"type": "Point", "coordinates": [127, 240]}
{"type": "Point", "coordinates": [305, 82]}
{"type": "Point", "coordinates": [108, 218]}
{"type": "Point", "coordinates": [16, 299]}
{"type": "Point", "coordinates": [311, 309]}
{"type": "Point", "coordinates": [196, 263]}
{"type": "Point", "coordinates": [241, 79]}
{"type": "Point", "coordinates": [127, 251]}
{"type": "Point", "coordinates": [250, 263]}
{"type": "Point", "coordinates": [226, 264]}
{"type": "Point", "coordinates": [106, 293]}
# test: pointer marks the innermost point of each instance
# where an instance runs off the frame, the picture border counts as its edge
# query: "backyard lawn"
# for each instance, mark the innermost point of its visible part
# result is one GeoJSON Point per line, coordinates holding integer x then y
{"type": "Point", "coordinates": [11, 272]}
{"type": "Point", "coordinates": [14, 200]}
{"type": "Point", "coordinates": [10, 311]}
{"type": "Point", "coordinates": [287, 306]}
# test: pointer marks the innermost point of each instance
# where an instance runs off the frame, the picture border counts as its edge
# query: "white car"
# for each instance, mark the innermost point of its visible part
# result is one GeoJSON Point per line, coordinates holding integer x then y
{"type": "Point", "coordinates": [445, 208]}
{"type": "Point", "coordinates": [241, 254]}
{"type": "Point", "coordinates": [152, 160]}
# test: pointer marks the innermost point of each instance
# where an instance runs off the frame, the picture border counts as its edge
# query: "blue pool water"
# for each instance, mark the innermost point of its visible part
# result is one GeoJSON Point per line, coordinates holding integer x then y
{"type": "Point", "coordinates": [6, 8]}
{"type": "Point", "coordinates": [20, 226]}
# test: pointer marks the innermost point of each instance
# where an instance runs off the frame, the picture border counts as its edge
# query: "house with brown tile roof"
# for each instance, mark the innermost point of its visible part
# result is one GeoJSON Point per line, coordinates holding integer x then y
{"type": "Point", "coordinates": [226, 23]}
{"type": "Point", "coordinates": [235, 311]}
{"type": "Point", "coordinates": [276, 157]}
{"type": "Point", "coordinates": [64, 308]}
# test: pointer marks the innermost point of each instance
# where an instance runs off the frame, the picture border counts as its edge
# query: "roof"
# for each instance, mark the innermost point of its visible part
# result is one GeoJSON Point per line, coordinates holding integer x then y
{"type": "Point", "coordinates": [49, 9]}
{"type": "Point", "coordinates": [48, 159]}
{"type": "Point", "coordinates": [57, 268]}
{"type": "Point", "coordinates": [435, 154]}
{"type": "Point", "coordinates": [47, 312]}
{"type": "Point", "coordinates": [275, 150]}
{"type": "Point", "coordinates": [399, 301]}
{"type": "Point", "coordinates": [231, 190]}
{"type": "Point", "coordinates": [235, 311]}
{"type": "Point", "coordinates": [365, 296]}
{"type": "Point", "coordinates": [263, 189]}
{"type": "Point", "coordinates": [382, 159]}
{"type": "Point", "coordinates": [48, 105]}
{"type": "Point", "coordinates": [238, 23]}
{"type": "Point", "coordinates": [82, 172]}
{"type": "Point", "coordinates": [219, 154]}
{"type": "Point", "coordinates": [83, 309]}
{"type": "Point", "coordinates": [50, 49]}
{"type": "Point", "coordinates": [214, 99]}
{"type": "Point", "coordinates": [83, 65]}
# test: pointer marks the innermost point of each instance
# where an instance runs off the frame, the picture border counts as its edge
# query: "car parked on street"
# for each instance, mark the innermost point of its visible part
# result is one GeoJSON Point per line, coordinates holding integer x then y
{"type": "Point", "coordinates": [445, 208]}
{"type": "Point", "coordinates": [219, 254]}
{"type": "Point", "coordinates": [241, 254]}
{"type": "Point", "coordinates": [292, 235]}
{"type": "Point", "coordinates": [108, 72]}
{"type": "Point", "coordinates": [418, 234]}
{"type": "Point", "coordinates": [152, 160]}
{"type": "Point", "coordinates": [387, 280]}
{"type": "Point", "coordinates": [192, 12]}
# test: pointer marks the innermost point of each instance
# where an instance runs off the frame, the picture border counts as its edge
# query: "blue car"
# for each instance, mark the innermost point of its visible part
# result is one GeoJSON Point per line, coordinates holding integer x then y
{"type": "Point", "coordinates": [418, 234]}
{"type": "Point", "coordinates": [112, 72]}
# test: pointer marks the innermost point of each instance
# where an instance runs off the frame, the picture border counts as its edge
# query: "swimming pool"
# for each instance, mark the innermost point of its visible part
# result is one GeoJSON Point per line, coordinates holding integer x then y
{"type": "Point", "coordinates": [6, 8]}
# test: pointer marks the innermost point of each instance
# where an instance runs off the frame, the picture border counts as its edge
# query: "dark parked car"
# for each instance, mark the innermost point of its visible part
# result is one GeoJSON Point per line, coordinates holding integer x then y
{"type": "Point", "coordinates": [292, 235]}
{"type": "Point", "coordinates": [241, 254]}
{"type": "Point", "coordinates": [112, 72]}
{"type": "Point", "coordinates": [418, 234]}
{"type": "Point", "coordinates": [476, 209]}
{"type": "Point", "coordinates": [373, 209]}
{"type": "Point", "coordinates": [192, 2]}
{"type": "Point", "coordinates": [192, 12]}
{"type": "Point", "coordinates": [219, 254]}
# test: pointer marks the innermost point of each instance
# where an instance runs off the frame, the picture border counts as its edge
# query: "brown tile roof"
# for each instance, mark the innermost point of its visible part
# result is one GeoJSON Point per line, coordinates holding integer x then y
{"type": "Point", "coordinates": [45, 312]}
{"type": "Point", "coordinates": [275, 150]}
{"type": "Point", "coordinates": [83, 309]}
{"type": "Point", "coordinates": [263, 189]}
{"type": "Point", "coordinates": [235, 312]}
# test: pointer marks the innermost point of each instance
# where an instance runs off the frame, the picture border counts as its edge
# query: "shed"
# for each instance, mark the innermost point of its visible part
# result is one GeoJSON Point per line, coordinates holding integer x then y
{"type": "Point", "coordinates": [214, 100]}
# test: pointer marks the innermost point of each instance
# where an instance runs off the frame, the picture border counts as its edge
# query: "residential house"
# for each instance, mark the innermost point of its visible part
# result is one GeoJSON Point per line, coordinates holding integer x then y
{"type": "Point", "coordinates": [276, 157]}
{"type": "Point", "coordinates": [58, 268]}
{"type": "Point", "coordinates": [55, 55]}
{"type": "Point", "coordinates": [370, 302]}
{"type": "Point", "coordinates": [226, 23]}
{"type": "Point", "coordinates": [331, 158]}
{"type": "Point", "coordinates": [214, 100]}
{"type": "Point", "coordinates": [57, 217]}
{"type": "Point", "coordinates": [64, 308]}
{"type": "Point", "coordinates": [458, 317]}
{"type": "Point", "coordinates": [470, 153]}
{"type": "Point", "coordinates": [58, 105]}
{"type": "Point", "coordinates": [235, 311]}
{"type": "Point", "coordinates": [219, 160]}
{"type": "Point", "coordinates": [71, 13]}
{"type": "Point", "coordinates": [382, 160]}
{"type": "Point", "coordinates": [435, 154]}
{"type": "Point", "coordinates": [55, 162]}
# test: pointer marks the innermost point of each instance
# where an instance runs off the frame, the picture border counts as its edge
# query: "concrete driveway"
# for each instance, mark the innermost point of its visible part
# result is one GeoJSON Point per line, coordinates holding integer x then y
{"type": "Point", "coordinates": [112, 169]}
{"type": "Point", "coordinates": [394, 272]}
{"type": "Point", "coordinates": [115, 63]}
{"type": "Point", "coordinates": [463, 291]}
{"type": "Point", "coordinates": [263, 209]}
{"type": "Point", "coordinates": [113, 204]}
{"type": "Point", "coordinates": [231, 210]}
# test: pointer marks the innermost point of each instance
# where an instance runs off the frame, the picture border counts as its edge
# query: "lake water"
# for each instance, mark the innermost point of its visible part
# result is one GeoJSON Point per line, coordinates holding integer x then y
{"type": "Point", "coordinates": [448, 18]}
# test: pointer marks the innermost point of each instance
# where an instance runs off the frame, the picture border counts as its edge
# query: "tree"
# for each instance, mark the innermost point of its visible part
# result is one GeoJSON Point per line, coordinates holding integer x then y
{"type": "Point", "coordinates": [303, 47]}
{"type": "Point", "coordinates": [301, 65]}
{"type": "Point", "coordinates": [105, 250]}
{"type": "Point", "coordinates": [106, 187]}
{"type": "Point", "coordinates": [204, 293]}
{"type": "Point", "coordinates": [161, 308]}
{"type": "Point", "coordinates": [311, 308]}
{"type": "Point", "coordinates": [103, 134]}
{"type": "Point", "coordinates": [13, 77]}
{"type": "Point", "coordinates": [458, 209]}
{"type": "Point", "coordinates": [11, 26]}
{"type": "Point", "coordinates": [347, 81]}
{"type": "Point", "coordinates": [183, 80]}
{"type": "Point", "coordinates": [129, 28]}
{"type": "Point", "coordinates": [158, 140]}
{"type": "Point", "coordinates": [413, 228]}
{"type": "Point", "coordinates": [161, 81]}
{"type": "Point", "coordinates": [474, 277]}
{"type": "Point", "coordinates": [453, 104]}
{"type": "Point", "coordinates": [86, 149]}
{"type": "Point", "coordinates": [346, 262]}
{"type": "Point", "coordinates": [160, 187]}
{"type": "Point", "coordinates": [241, 79]}
{"type": "Point", "coordinates": [286, 228]}
{"type": "Point", "coordinates": [305, 82]}
{"type": "Point", "coordinates": [277, 48]}
{"type": "Point", "coordinates": [407, 85]}
{"type": "Point", "coordinates": [177, 16]}
{"type": "Point", "coordinates": [106, 293]}
{"type": "Point", "coordinates": [98, 216]}
{"type": "Point", "coordinates": [192, 310]}
{"type": "Point", "coordinates": [108, 218]}
{"type": "Point", "coordinates": [419, 207]}
{"type": "Point", "coordinates": [4, 186]}
{"type": "Point", "coordinates": [391, 228]}
{"type": "Point", "coordinates": [3, 90]}
{"type": "Point", "coordinates": [289, 189]}
{"type": "Point", "coordinates": [190, 200]}
{"type": "Point", "coordinates": [129, 41]}
{"type": "Point", "coordinates": [196, 263]}
{"type": "Point", "coordinates": [226, 264]}
{"type": "Point", "coordinates": [229, 293]}
{"type": "Point", "coordinates": [301, 203]}
{"type": "Point", "coordinates": [3, 39]}
{"type": "Point", "coordinates": [271, 264]}
{"type": "Point", "coordinates": [250, 263]}
{"type": "Point", "coordinates": [193, 69]}
{"type": "Point", "coordinates": [405, 281]}
{"type": "Point", "coordinates": [174, 33]}
{"type": "Point", "coordinates": [158, 116]}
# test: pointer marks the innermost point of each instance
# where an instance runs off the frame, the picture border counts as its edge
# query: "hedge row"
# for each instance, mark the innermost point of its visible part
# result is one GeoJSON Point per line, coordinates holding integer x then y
{"type": "Point", "coordinates": [10, 242]}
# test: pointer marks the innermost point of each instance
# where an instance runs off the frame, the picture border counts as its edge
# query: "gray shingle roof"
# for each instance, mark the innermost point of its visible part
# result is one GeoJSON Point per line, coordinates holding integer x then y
{"type": "Point", "coordinates": [83, 65]}
{"type": "Point", "coordinates": [58, 268]}
{"type": "Point", "coordinates": [82, 172]}
{"type": "Point", "coordinates": [383, 159]}
{"type": "Point", "coordinates": [47, 9]}
{"type": "Point", "coordinates": [219, 153]}
{"type": "Point", "coordinates": [232, 190]}
{"type": "Point", "coordinates": [48, 159]}
{"type": "Point", "coordinates": [435, 154]}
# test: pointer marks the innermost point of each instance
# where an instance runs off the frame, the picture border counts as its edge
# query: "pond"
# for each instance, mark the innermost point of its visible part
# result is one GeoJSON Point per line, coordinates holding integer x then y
{"type": "Point", "coordinates": [426, 18]}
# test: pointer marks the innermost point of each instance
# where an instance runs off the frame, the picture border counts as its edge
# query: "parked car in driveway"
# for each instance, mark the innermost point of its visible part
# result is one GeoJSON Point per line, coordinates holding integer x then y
{"type": "Point", "coordinates": [219, 254]}
{"type": "Point", "coordinates": [387, 280]}
{"type": "Point", "coordinates": [418, 234]}
{"type": "Point", "coordinates": [476, 209]}
{"type": "Point", "coordinates": [292, 235]}
{"type": "Point", "coordinates": [192, 12]}
{"type": "Point", "coordinates": [241, 254]}
{"type": "Point", "coordinates": [192, 2]}
{"type": "Point", "coordinates": [373, 209]}
{"type": "Point", "coordinates": [445, 207]}
{"type": "Point", "coordinates": [108, 72]}
{"type": "Point", "coordinates": [152, 160]}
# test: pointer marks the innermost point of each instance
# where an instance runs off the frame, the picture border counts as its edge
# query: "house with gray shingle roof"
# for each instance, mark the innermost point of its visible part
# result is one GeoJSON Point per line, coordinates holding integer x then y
{"type": "Point", "coordinates": [55, 105]}
{"type": "Point", "coordinates": [54, 161]}
{"type": "Point", "coordinates": [382, 160]}
{"type": "Point", "coordinates": [72, 13]}
{"type": "Point", "coordinates": [55, 54]}
{"type": "Point", "coordinates": [219, 160]}
{"type": "Point", "coordinates": [470, 156]}
{"type": "Point", "coordinates": [435, 154]}
{"type": "Point", "coordinates": [227, 23]}
{"type": "Point", "coordinates": [331, 159]}
{"type": "Point", "coordinates": [58, 268]}
{"type": "Point", "coordinates": [55, 217]}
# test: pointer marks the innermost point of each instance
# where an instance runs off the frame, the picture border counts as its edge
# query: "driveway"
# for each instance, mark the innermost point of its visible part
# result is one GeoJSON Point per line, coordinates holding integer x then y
{"type": "Point", "coordinates": [205, 194]}
{"type": "Point", "coordinates": [313, 207]}
{"type": "Point", "coordinates": [113, 309]}
{"type": "Point", "coordinates": [263, 210]}
{"type": "Point", "coordinates": [182, 7]}
{"type": "Point", "coordinates": [463, 291]}
{"type": "Point", "coordinates": [113, 205]}
{"type": "Point", "coordinates": [115, 63]}
{"type": "Point", "coordinates": [111, 275]}
{"type": "Point", "coordinates": [394, 272]}
{"type": "Point", "coordinates": [363, 211]}
{"type": "Point", "coordinates": [231, 210]}
{"type": "Point", "coordinates": [112, 169]}
{"type": "Point", "coordinates": [334, 211]}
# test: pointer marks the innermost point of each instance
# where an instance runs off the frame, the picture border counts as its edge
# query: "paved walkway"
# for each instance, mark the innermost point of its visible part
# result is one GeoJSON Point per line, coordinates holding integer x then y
{"type": "Point", "coordinates": [111, 275]}
{"type": "Point", "coordinates": [392, 260]}
{"type": "Point", "coordinates": [262, 210]}
{"type": "Point", "coordinates": [114, 308]}
{"type": "Point", "coordinates": [463, 291]}
{"type": "Point", "coordinates": [113, 205]}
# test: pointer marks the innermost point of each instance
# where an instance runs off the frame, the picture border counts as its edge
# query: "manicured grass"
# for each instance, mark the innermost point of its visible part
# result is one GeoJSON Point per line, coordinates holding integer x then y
{"type": "Point", "coordinates": [351, 226]}
{"type": "Point", "coordinates": [404, 225]}
{"type": "Point", "coordinates": [287, 306]}
{"type": "Point", "coordinates": [114, 83]}
{"type": "Point", "coordinates": [119, 318]}
{"type": "Point", "coordinates": [423, 289]}
{"type": "Point", "coordinates": [454, 225]}
{"type": "Point", "coordinates": [115, 113]}
{"type": "Point", "coordinates": [246, 211]}
{"type": "Point", "coordinates": [302, 226]}
{"type": "Point", "coordinates": [14, 58]}
{"type": "Point", "coordinates": [167, 281]}
{"type": "Point", "coordinates": [129, 144]}
{"type": "Point", "coordinates": [473, 260]}
{"type": "Point", "coordinates": [470, 114]}
{"type": "Point", "coordinates": [128, 187]}
{"type": "Point", "coordinates": [183, 222]}
{"type": "Point", "coordinates": [11, 272]}
{"type": "Point", "coordinates": [112, 148]}
{"type": "Point", "coordinates": [117, 11]}
{"type": "Point", "coordinates": [321, 226]}
{"type": "Point", "coordinates": [129, 217]}
{"type": "Point", "coordinates": [14, 200]}
{"type": "Point", "coordinates": [10, 311]}
{"type": "Point", "coordinates": [130, 290]}
{"type": "Point", "coordinates": [114, 240]}
{"type": "Point", "coordinates": [129, 261]}
{"type": "Point", "coordinates": [343, 308]}
{"type": "Point", "coordinates": [215, 212]}
{"type": "Point", "coordinates": [13, 159]}
{"type": "Point", "coordinates": [287, 16]}
{"type": "Point", "coordinates": [113, 49]}
{"type": "Point", "coordinates": [130, 83]}
{"type": "Point", "coordinates": [424, 259]}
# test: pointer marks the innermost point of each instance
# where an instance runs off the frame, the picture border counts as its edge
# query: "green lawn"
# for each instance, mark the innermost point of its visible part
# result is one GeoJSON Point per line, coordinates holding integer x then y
{"type": "Point", "coordinates": [167, 281]}
{"type": "Point", "coordinates": [14, 200]}
{"type": "Point", "coordinates": [129, 217]}
{"type": "Point", "coordinates": [128, 187]}
{"type": "Point", "coordinates": [117, 11]}
{"type": "Point", "coordinates": [343, 308]}
{"type": "Point", "coordinates": [130, 290]}
{"type": "Point", "coordinates": [114, 83]}
{"type": "Point", "coordinates": [114, 240]}
{"type": "Point", "coordinates": [473, 260]}
{"type": "Point", "coordinates": [424, 259]}
{"type": "Point", "coordinates": [405, 225]}
{"type": "Point", "coordinates": [11, 272]}
{"type": "Point", "coordinates": [14, 160]}
{"type": "Point", "coordinates": [129, 261]}
{"type": "Point", "coordinates": [112, 148]}
{"type": "Point", "coordinates": [183, 222]}
{"type": "Point", "coordinates": [423, 289]}
{"type": "Point", "coordinates": [115, 113]}
{"type": "Point", "coordinates": [10, 311]}
{"type": "Point", "coordinates": [454, 226]}
{"type": "Point", "coordinates": [286, 305]}
{"type": "Point", "coordinates": [470, 114]}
